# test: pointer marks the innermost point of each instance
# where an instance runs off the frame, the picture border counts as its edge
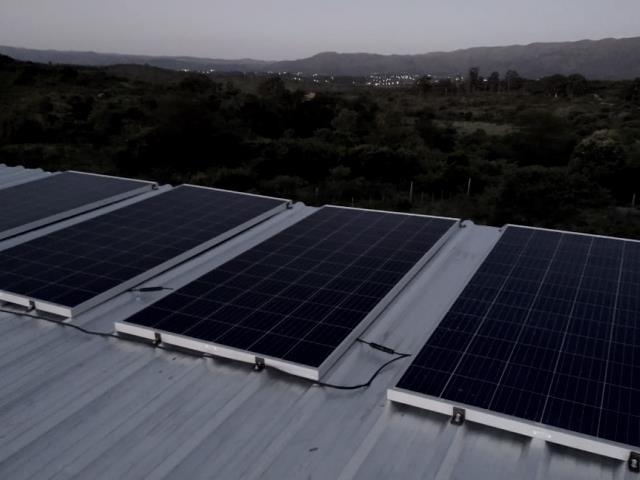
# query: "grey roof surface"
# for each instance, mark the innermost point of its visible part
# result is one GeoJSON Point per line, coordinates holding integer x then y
{"type": "Point", "coordinates": [10, 176]}
{"type": "Point", "coordinates": [79, 406]}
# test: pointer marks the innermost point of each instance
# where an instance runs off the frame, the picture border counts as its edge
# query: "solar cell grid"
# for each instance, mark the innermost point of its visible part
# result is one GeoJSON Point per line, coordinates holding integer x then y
{"type": "Point", "coordinates": [73, 265]}
{"type": "Point", "coordinates": [547, 331]}
{"type": "Point", "coordinates": [59, 196]}
{"type": "Point", "coordinates": [298, 295]}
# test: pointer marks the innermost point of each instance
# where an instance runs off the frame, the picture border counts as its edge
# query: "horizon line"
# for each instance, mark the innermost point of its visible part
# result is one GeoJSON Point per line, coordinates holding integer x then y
{"type": "Point", "coordinates": [97, 52]}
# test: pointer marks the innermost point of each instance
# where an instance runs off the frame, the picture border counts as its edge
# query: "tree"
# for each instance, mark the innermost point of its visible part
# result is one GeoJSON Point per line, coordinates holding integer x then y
{"type": "Point", "coordinates": [494, 82]}
{"type": "Point", "coordinates": [367, 109]}
{"type": "Point", "coordinates": [307, 117]}
{"type": "Point", "coordinates": [600, 158]}
{"type": "Point", "coordinates": [185, 129]}
{"type": "Point", "coordinates": [512, 81]}
{"type": "Point", "coordinates": [383, 163]}
{"type": "Point", "coordinates": [474, 79]}
{"type": "Point", "coordinates": [81, 107]}
{"type": "Point", "coordinates": [266, 118]}
{"type": "Point", "coordinates": [6, 61]}
{"type": "Point", "coordinates": [457, 172]}
{"type": "Point", "coordinates": [577, 85]}
{"type": "Point", "coordinates": [195, 83]}
{"type": "Point", "coordinates": [24, 129]}
{"type": "Point", "coordinates": [542, 196]}
{"type": "Point", "coordinates": [561, 86]}
{"type": "Point", "coordinates": [446, 85]}
{"type": "Point", "coordinates": [272, 87]}
{"type": "Point", "coordinates": [285, 185]}
{"type": "Point", "coordinates": [433, 135]}
{"type": "Point", "coordinates": [424, 84]}
{"type": "Point", "coordinates": [543, 139]}
{"type": "Point", "coordinates": [554, 85]}
{"type": "Point", "coordinates": [345, 122]}
{"type": "Point", "coordinates": [633, 92]}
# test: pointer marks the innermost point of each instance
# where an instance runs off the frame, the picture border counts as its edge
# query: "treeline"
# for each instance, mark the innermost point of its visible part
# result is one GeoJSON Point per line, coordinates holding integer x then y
{"type": "Point", "coordinates": [551, 156]}
{"type": "Point", "coordinates": [566, 86]}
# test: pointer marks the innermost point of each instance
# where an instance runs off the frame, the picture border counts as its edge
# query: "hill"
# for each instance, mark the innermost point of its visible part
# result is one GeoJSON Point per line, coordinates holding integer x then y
{"type": "Point", "coordinates": [106, 59]}
{"type": "Point", "coordinates": [607, 59]}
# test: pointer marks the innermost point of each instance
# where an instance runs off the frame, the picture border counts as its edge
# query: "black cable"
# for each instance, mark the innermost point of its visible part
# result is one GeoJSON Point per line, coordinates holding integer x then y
{"type": "Point", "coordinates": [81, 329]}
{"type": "Point", "coordinates": [368, 383]}
{"type": "Point", "coordinates": [382, 348]}
{"type": "Point", "coordinates": [376, 346]}
{"type": "Point", "coordinates": [58, 322]}
{"type": "Point", "coordinates": [149, 289]}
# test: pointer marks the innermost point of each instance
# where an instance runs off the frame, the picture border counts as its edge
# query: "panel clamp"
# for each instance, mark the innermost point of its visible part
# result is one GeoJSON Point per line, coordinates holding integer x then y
{"type": "Point", "coordinates": [259, 365]}
{"type": "Point", "coordinates": [458, 416]}
{"type": "Point", "coordinates": [634, 462]}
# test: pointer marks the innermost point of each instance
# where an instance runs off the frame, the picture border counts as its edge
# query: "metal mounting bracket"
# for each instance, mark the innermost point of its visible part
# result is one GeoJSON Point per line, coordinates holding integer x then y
{"type": "Point", "coordinates": [259, 365]}
{"type": "Point", "coordinates": [634, 462]}
{"type": "Point", "coordinates": [458, 416]}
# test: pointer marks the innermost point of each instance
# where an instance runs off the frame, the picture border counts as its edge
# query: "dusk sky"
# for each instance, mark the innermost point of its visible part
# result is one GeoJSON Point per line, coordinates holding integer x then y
{"type": "Point", "coordinates": [288, 29]}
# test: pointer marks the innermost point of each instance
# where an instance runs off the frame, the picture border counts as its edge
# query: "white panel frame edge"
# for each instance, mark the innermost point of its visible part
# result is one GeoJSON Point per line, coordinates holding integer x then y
{"type": "Point", "coordinates": [509, 423]}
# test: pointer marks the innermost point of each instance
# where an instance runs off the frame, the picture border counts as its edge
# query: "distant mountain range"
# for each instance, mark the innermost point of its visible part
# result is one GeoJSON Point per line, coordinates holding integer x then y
{"type": "Point", "coordinates": [104, 59]}
{"type": "Point", "coordinates": [609, 58]}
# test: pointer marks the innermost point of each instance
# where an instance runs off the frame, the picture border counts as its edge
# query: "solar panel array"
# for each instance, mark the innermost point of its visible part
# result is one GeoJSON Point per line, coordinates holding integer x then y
{"type": "Point", "coordinates": [547, 330]}
{"type": "Point", "coordinates": [69, 192]}
{"type": "Point", "coordinates": [298, 295]}
{"type": "Point", "coordinates": [71, 266]}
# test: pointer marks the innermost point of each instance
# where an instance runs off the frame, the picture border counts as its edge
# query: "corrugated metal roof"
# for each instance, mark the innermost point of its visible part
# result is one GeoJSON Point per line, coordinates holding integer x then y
{"type": "Point", "coordinates": [80, 406]}
{"type": "Point", "coordinates": [10, 176]}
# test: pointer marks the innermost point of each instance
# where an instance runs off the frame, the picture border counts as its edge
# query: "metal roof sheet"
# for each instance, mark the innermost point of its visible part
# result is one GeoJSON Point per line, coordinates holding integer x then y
{"type": "Point", "coordinates": [10, 176]}
{"type": "Point", "coordinates": [80, 406]}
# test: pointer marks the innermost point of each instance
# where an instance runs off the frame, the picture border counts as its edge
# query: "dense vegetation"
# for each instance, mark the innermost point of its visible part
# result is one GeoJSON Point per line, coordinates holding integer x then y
{"type": "Point", "coordinates": [560, 152]}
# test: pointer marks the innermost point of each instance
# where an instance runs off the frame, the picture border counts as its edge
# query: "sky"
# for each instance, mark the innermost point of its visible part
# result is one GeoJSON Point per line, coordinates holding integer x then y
{"type": "Point", "coordinates": [290, 29]}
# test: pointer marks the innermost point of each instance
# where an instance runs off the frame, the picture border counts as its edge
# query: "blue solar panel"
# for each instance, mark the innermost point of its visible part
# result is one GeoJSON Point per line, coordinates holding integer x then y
{"type": "Point", "coordinates": [46, 200]}
{"type": "Point", "coordinates": [87, 261]}
{"type": "Point", "coordinates": [546, 330]}
{"type": "Point", "coordinates": [298, 295]}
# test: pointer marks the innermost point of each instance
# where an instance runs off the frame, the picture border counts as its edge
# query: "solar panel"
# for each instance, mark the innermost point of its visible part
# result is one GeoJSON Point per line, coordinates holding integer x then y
{"type": "Point", "coordinates": [72, 269]}
{"type": "Point", "coordinates": [40, 202]}
{"type": "Point", "coordinates": [546, 333]}
{"type": "Point", "coordinates": [297, 298]}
